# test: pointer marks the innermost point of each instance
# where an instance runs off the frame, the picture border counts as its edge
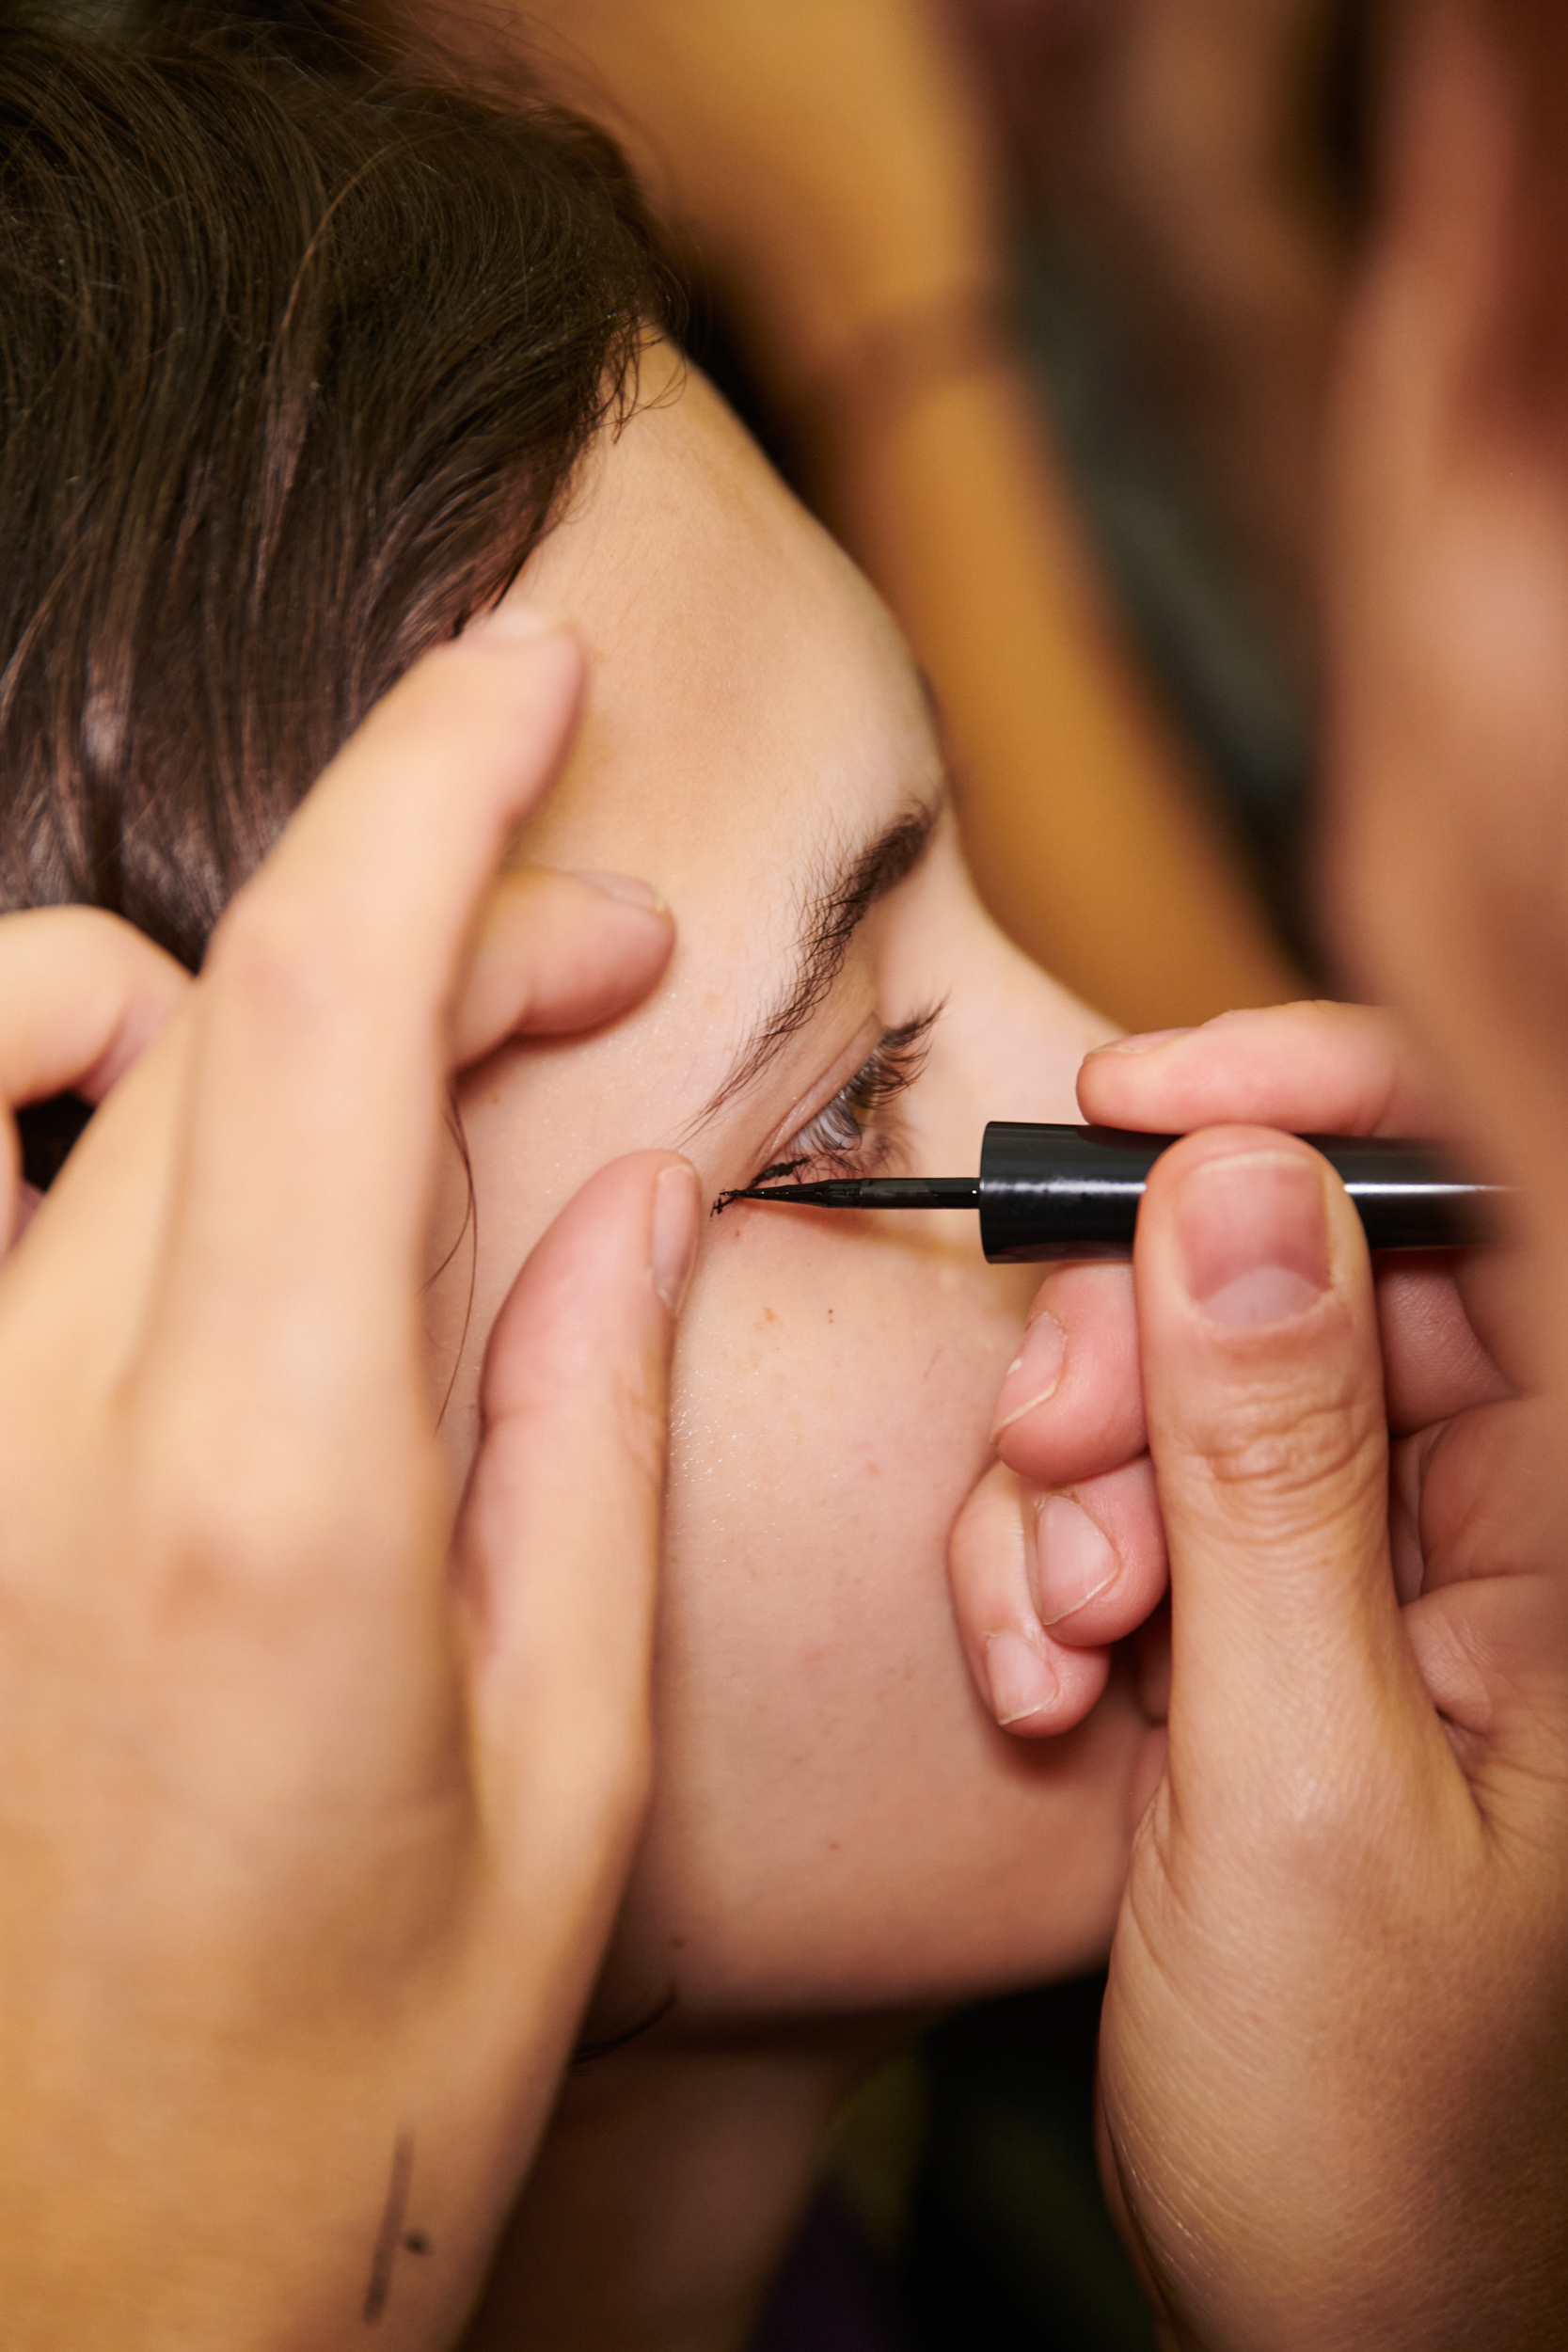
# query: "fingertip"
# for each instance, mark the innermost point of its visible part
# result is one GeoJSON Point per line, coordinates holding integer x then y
{"type": "Point", "coordinates": [1071, 1404]}
{"type": "Point", "coordinates": [1035, 1374]}
{"type": "Point", "coordinates": [513, 621]}
{"type": "Point", "coordinates": [1019, 1677]}
{"type": "Point", "coordinates": [1075, 1563]}
{"type": "Point", "coordinates": [1035, 1688]}
{"type": "Point", "coordinates": [628, 890]}
{"type": "Point", "coordinates": [659, 1193]}
{"type": "Point", "coordinates": [1024, 1441]}
{"type": "Point", "coordinates": [1029, 1684]}
{"type": "Point", "coordinates": [1097, 1557]}
{"type": "Point", "coordinates": [633, 931]}
{"type": "Point", "coordinates": [1114, 1078]}
{"type": "Point", "coordinates": [1139, 1042]}
{"type": "Point", "coordinates": [556, 953]}
{"type": "Point", "coordinates": [1267, 1428]}
{"type": "Point", "coordinates": [512, 641]}
{"type": "Point", "coordinates": [676, 1227]}
{"type": "Point", "coordinates": [1252, 1236]}
{"type": "Point", "coordinates": [497, 702]}
{"type": "Point", "coordinates": [588, 1275]}
{"type": "Point", "coordinates": [1145, 1081]}
{"type": "Point", "coordinates": [1311, 1067]}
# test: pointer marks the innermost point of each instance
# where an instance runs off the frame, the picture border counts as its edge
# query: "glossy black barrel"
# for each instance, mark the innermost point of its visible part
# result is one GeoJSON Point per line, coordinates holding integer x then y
{"type": "Point", "coordinates": [1073, 1192]}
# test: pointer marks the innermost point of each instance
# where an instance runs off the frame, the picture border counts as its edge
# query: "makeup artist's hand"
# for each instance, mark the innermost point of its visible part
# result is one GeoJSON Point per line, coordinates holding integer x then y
{"type": "Point", "coordinates": [313, 1812]}
{"type": "Point", "coordinates": [1335, 2047]}
{"type": "Point", "coordinates": [1061, 1551]}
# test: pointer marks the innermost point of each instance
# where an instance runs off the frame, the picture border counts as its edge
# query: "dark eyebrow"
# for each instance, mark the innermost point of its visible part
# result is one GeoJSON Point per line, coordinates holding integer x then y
{"type": "Point", "coordinates": [837, 900]}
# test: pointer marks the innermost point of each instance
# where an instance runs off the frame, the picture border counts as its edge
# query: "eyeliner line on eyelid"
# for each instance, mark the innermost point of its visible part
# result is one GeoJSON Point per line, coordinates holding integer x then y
{"type": "Point", "coordinates": [890, 1068]}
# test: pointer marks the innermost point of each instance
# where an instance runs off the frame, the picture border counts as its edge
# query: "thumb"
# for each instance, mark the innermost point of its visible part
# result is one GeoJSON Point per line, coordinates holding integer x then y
{"type": "Point", "coordinates": [1266, 1425]}
{"type": "Point", "coordinates": [559, 1540]}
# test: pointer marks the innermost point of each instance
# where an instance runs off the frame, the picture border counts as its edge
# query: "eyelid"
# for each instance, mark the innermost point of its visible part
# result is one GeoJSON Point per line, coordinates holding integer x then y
{"type": "Point", "coordinates": [891, 1068]}
{"type": "Point", "coordinates": [843, 1071]}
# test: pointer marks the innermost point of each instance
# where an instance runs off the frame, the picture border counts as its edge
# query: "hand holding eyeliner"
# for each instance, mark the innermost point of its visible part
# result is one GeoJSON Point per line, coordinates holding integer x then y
{"type": "Point", "coordinates": [1073, 1192]}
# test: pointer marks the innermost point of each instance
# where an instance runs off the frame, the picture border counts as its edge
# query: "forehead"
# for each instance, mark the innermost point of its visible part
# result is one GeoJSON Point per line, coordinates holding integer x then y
{"type": "Point", "coordinates": [751, 713]}
{"type": "Point", "coordinates": [749, 699]}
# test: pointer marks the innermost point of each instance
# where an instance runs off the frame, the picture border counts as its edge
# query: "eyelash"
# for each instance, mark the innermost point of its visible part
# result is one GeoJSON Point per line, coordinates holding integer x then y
{"type": "Point", "coordinates": [835, 1136]}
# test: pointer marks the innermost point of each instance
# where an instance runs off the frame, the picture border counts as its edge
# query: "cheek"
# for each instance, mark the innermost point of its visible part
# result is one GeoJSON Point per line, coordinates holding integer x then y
{"type": "Point", "coordinates": [832, 1405]}
{"type": "Point", "coordinates": [835, 1821]}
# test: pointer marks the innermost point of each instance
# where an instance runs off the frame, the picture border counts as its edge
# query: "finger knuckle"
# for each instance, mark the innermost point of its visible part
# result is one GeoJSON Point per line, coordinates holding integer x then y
{"type": "Point", "coordinates": [1335, 1850]}
{"type": "Point", "coordinates": [270, 1528]}
{"type": "Point", "coordinates": [638, 1421]}
{"type": "Point", "coordinates": [1314, 1824]}
{"type": "Point", "coordinates": [282, 961]}
{"type": "Point", "coordinates": [1275, 1443]}
{"type": "Point", "coordinates": [592, 1382]}
{"type": "Point", "coordinates": [614, 1779]}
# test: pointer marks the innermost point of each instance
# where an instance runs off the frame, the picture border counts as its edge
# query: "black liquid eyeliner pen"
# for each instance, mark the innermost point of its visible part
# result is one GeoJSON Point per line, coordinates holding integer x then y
{"type": "Point", "coordinates": [1042, 1191]}
{"type": "Point", "coordinates": [1073, 1192]}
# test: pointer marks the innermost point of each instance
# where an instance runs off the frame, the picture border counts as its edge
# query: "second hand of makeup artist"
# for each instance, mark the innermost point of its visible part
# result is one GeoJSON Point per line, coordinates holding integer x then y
{"type": "Point", "coordinates": [314, 1812]}
{"type": "Point", "coordinates": [1334, 2045]}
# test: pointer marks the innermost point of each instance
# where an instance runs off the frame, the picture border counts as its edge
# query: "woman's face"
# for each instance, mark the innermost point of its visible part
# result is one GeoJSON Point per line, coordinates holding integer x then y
{"type": "Point", "coordinates": [835, 1824]}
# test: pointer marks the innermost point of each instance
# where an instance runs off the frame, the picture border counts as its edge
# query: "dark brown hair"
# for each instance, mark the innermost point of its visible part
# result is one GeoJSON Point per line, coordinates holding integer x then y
{"type": "Point", "coordinates": [296, 362]}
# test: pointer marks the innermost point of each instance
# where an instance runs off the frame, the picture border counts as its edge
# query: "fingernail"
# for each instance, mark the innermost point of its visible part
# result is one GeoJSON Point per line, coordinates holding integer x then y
{"type": "Point", "coordinates": [1034, 1372]}
{"type": "Point", "coordinates": [1073, 1558]}
{"type": "Point", "coordinates": [1254, 1236]}
{"type": "Point", "coordinates": [630, 888]}
{"type": "Point", "coordinates": [677, 1219]}
{"type": "Point", "coordinates": [513, 619]}
{"type": "Point", "coordinates": [1022, 1679]}
{"type": "Point", "coordinates": [1141, 1041]}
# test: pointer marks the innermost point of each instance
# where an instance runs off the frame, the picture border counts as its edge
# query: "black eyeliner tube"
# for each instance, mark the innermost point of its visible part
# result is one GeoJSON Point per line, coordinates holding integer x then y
{"type": "Point", "coordinates": [1073, 1192]}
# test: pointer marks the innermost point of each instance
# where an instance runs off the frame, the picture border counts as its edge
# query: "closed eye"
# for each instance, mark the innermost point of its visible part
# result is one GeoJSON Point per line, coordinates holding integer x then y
{"type": "Point", "coordinates": [853, 1133]}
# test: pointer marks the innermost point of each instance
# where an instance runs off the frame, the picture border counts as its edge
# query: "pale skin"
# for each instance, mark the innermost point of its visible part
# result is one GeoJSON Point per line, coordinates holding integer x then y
{"type": "Point", "coordinates": [838, 1829]}
{"type": "Point", "coordinates": [751, 706]}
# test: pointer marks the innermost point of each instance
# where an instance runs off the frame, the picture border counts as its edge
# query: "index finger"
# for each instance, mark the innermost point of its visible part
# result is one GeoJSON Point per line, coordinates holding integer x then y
{"type": "Point", "coordinates": [322, 1022]}
{"type": "Point", "coordinates": [1311, 1068]}
{"type": "Point", "coordinates": [84, 994]}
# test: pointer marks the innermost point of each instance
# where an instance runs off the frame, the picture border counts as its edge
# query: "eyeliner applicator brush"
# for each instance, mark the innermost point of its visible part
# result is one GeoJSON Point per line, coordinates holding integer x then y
{"type": "Point", "coordinates": [867, 1192]}
{"type": "Point", "coordinates": [1073, 1192]}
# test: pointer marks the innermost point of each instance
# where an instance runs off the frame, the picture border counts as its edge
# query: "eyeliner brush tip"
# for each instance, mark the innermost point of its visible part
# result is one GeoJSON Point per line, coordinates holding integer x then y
{"type": "Point", "coordinates": [866, 1192]}
{"type": "Point", "coordinates": [835, 1193]}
